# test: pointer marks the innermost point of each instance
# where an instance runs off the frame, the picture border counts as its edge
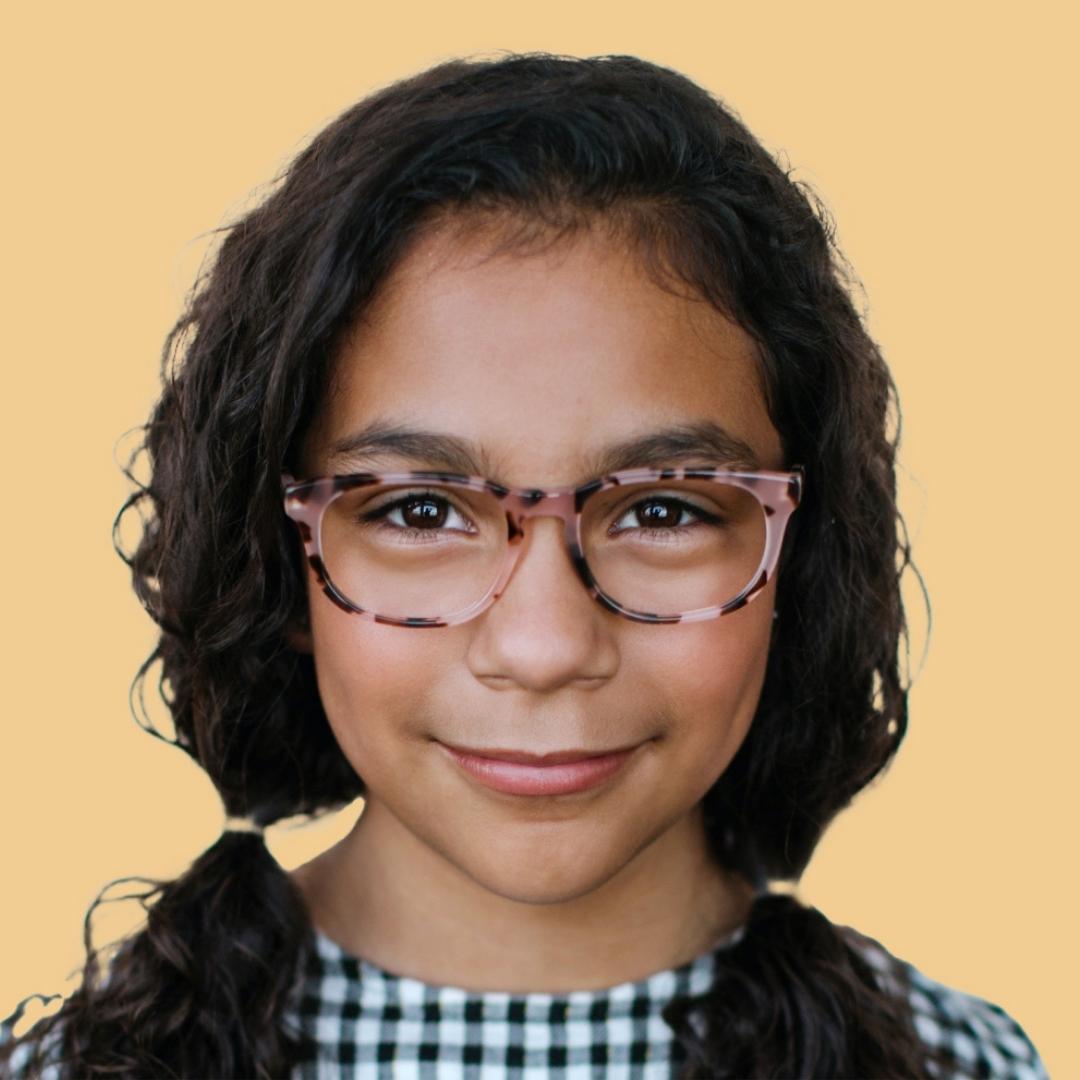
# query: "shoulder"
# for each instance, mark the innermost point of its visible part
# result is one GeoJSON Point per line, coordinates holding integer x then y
{"type": "Point", "coordinates": [980, 1037]}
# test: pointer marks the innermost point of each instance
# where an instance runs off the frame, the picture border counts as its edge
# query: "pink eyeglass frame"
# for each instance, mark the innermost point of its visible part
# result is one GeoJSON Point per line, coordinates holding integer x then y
{"type": "Point", "coordinates": [779, 493]}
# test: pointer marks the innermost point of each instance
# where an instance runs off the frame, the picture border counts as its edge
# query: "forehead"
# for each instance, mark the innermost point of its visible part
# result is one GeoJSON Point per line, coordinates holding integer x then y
{"type": "Point", "coordinates": [540, 356]}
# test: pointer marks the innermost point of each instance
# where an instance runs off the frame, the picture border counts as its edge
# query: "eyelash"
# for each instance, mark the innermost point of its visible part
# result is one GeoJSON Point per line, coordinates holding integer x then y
{"type": "Point", "coordinates": [385, 509]}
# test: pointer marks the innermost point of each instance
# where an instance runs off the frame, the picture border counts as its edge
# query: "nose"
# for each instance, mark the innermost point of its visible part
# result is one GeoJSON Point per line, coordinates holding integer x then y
{"type": "Point", "coordinates": [544, 630]}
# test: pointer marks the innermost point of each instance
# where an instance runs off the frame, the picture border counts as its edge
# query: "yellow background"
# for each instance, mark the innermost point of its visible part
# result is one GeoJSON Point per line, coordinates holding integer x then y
{"type": "Point", "coordinates": [940, 136]}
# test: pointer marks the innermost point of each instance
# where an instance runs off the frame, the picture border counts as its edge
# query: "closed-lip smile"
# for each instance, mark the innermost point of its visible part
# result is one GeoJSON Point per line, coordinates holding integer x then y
{"type": "Point", "coordinates": [522, 757]}
{"type": "Point", "coordinates": [556, 772]}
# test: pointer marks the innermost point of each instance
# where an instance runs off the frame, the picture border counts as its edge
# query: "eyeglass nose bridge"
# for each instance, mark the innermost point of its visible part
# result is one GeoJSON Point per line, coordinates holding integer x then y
{"type": "Point", "coordinates": [520, 508]}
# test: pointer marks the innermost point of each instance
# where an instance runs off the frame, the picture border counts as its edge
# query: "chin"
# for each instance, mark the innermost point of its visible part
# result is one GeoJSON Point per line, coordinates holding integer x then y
{"type": "Point", "coordinates": [542, 891]}
{"type": "Point", "coordinates": [555, 871]}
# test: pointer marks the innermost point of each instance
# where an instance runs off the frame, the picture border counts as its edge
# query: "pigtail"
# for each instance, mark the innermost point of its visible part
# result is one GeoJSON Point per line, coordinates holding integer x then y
{"type": "Point", "coordinates": [794, 997]}
{"type": "Point", "coordinates": [199, 991]}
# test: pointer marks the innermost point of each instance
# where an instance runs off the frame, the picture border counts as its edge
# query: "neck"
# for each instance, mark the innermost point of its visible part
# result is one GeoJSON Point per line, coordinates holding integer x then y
{"type": "Point", "coordinates": [383, 895]}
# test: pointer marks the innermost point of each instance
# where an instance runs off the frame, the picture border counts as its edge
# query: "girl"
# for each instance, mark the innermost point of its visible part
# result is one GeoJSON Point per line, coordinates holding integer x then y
{"type": "Point", "coordinates": [523, 467]}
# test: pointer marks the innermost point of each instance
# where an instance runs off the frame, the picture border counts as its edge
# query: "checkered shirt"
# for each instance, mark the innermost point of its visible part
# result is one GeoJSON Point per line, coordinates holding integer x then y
{"type": "Point", "coordinates": [368, 1023]}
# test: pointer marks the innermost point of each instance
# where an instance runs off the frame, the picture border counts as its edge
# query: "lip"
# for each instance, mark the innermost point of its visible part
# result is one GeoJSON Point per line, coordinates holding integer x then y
{"type": "Point", "coordinates": [560, 772]}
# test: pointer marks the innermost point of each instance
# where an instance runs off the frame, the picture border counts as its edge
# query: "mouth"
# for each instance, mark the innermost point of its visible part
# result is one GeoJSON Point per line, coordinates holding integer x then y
{"type": "Point", "coordinates": [556, 772]}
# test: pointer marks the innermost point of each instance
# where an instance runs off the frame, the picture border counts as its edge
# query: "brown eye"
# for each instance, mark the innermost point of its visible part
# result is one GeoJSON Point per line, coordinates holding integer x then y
{"type": "Point", "coordinates": [424, 511]}
{"type": "Point", "coordinates": [664, 513]}
{"type": "Point", "coordinates": [660, 512]}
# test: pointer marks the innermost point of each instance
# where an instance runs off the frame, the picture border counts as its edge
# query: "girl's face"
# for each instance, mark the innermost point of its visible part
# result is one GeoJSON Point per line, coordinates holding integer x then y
{"type": "Point", "coordinates": [539, 360]}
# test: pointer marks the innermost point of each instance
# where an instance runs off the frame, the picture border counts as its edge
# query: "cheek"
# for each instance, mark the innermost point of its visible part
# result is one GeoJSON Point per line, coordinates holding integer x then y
{"type": "Point", "coordinates": [372, 680]}
{"type": "Point", "coordinates": [711, 675]}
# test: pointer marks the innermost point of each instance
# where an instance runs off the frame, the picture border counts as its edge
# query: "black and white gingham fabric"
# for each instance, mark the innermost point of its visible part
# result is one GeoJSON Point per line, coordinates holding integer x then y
{"type": "Point", "coordinates": [368, 1023]}
{"type": "Point", "coordinates": [981, 1038]}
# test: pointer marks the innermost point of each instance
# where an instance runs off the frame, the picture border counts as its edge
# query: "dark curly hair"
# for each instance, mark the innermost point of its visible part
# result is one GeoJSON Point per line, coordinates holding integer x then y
{"type": "Point", "coordinates": [201, 990]}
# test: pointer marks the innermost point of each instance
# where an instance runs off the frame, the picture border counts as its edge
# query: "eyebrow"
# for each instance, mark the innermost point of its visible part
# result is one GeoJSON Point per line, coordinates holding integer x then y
{"type": "Point", "coordinates": [702, 439]}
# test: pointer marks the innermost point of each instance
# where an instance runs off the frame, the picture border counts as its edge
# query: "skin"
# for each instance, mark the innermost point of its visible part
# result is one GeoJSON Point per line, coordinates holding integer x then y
{"type": "Point", "coordinates": [542, 356]}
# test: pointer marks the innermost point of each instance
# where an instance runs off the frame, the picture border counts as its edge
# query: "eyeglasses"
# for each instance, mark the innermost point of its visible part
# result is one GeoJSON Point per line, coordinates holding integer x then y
{"type": "Point", "coordinates": [430, 548]}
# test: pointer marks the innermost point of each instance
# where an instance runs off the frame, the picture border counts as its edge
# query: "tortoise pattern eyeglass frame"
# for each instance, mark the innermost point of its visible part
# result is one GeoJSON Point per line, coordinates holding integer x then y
{"type": "Point", "coordinates": [778, 493]}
